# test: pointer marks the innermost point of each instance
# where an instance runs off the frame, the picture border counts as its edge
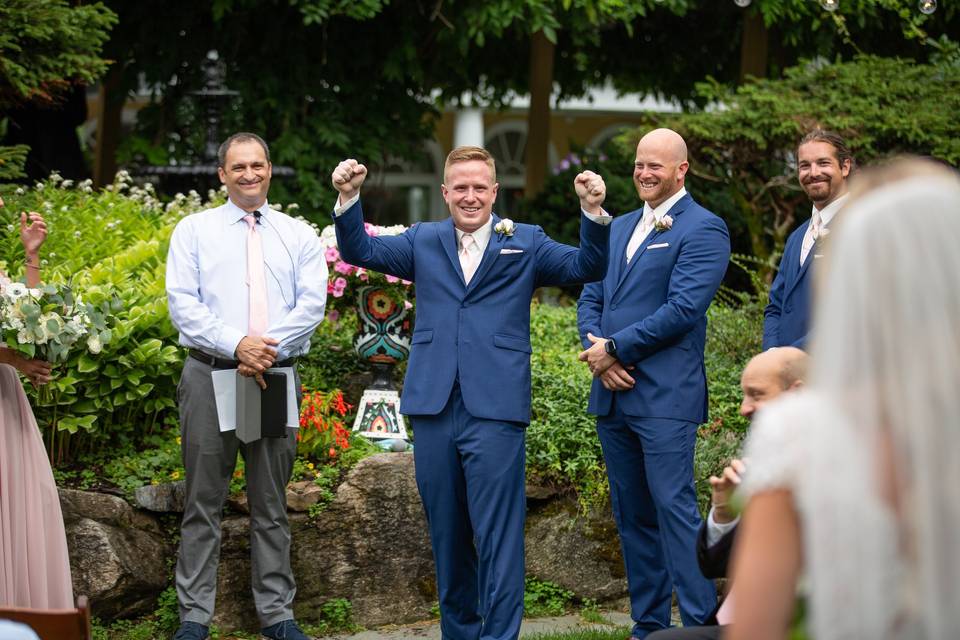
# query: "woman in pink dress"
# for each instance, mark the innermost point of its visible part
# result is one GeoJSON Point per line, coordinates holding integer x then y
{"type": "Point", "coordinates": [34, 564]}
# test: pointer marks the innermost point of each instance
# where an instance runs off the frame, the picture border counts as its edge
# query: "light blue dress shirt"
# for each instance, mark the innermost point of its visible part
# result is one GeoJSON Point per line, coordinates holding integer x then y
{"type": "Point", "coordinates": [207, 289]}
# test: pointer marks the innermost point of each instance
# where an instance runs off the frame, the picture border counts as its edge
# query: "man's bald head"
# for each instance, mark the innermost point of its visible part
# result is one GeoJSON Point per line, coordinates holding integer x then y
{"type": "Point", "coordinates": [661, 166]}
{"type": "Point", "coordinates": [769, 374]}
{"type": "Point", "coordinates": [668, 141]}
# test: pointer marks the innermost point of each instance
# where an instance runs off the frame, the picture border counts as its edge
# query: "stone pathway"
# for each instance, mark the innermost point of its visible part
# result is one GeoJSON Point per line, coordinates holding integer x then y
{"type": "Point", "coordinates": [430, 630]}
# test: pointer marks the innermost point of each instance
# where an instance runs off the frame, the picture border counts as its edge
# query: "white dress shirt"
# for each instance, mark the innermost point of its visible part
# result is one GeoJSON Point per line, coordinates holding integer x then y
{"type": "Point", "coordinates": [641, 231]}
{"type": "Point", "coordinates": [716, 530]}
{"type": "Point", "coordinates": [207, 290]}
{"type": "Point", "coordinates": [826, 216]}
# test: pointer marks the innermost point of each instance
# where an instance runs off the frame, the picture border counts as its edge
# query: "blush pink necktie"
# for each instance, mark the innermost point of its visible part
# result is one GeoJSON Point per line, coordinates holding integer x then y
{"type": "Point", "coordinates": [468, 256]}
{"type": "Point", "coordinates": [256, 279]}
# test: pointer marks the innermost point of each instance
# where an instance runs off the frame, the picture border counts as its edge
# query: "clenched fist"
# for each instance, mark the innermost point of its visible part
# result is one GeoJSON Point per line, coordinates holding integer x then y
{"type": "Point", "coordinates": [591, 190]}
{"type": "Point", "coordinates": [347, 178]}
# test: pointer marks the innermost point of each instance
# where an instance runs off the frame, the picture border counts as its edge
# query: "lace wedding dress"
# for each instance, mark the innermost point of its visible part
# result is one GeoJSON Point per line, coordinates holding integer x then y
{"type": "Point", "coordinates": [850, 546]}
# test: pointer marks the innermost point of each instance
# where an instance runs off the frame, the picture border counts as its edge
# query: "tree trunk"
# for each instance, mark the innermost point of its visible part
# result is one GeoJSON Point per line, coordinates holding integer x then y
{"type": "Point", "coordinates": [109, 124]}
{"type": "Point", "coordinates": [753, 46]}
{"type": "Point", "coordinates": [538, 117]}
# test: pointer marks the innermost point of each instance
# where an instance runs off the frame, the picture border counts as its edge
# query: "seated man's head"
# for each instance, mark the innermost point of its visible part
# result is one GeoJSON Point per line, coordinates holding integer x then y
{"type": "Point", "coordinates": [769, 374]}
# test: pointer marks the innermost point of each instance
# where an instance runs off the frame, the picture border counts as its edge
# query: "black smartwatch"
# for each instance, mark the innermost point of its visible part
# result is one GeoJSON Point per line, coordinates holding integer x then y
{"type": "Point", "coordinates": [610, 347]}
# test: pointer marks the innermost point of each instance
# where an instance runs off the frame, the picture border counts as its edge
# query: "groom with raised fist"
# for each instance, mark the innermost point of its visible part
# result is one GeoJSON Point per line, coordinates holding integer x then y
{"type": "Point", "coordinates": [467, 389]}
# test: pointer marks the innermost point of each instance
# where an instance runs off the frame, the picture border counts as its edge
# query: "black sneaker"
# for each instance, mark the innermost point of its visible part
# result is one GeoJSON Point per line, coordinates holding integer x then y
{"type": "Point", "coordinates": [286, 630]}
{"type": "Point", "coordinates": [191, 631]}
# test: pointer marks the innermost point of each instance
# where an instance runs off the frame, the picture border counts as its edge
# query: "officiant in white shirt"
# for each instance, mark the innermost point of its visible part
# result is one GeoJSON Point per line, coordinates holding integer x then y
{"type": "Point", "coordinates": [246, 288]}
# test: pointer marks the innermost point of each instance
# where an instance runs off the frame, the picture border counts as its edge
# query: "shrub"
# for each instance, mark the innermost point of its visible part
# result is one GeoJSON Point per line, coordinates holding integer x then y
{"type": "Point", "coordinates": [105, 244]}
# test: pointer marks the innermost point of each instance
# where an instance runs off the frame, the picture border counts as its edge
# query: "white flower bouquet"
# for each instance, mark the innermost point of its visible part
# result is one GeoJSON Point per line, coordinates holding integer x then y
{"type": "Point", "coordinates": [46, 323]}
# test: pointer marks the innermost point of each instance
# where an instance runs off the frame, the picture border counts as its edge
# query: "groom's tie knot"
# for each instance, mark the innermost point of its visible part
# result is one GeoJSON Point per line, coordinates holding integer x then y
{"type": "Point", "coordinates": [468, 256]}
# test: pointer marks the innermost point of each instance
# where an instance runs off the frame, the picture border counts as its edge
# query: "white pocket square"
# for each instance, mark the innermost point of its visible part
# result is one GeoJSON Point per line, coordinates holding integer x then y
{"type": "Point", "coordinates": [659, 246]}
{"type": "Point", "coordinates": [503, 251]}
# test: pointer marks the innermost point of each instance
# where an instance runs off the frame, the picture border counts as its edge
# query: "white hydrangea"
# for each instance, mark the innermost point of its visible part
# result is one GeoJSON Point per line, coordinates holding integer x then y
{"type": "Point", "coordinates": [93, 343]}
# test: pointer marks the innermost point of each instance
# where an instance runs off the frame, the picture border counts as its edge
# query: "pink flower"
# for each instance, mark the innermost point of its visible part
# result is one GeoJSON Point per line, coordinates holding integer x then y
{"type": "Point", "coordinates": [331, 254]}
{"type": "Point", "coordinates": [338, 286]}
{"type": "Point", "coordinates": [406, 283]}
{"type": "Point", "coordinates": [344, 268]}
{"type": "Point", "coordinates": [392, 279]}
{"type": "Point", "coordinates": [362, 274]}
{"type": "Point", "coordinates": [370, 229]}
{"type": "Point", "coordinates": [407, 304]}
{"type": "Point", "coordinates": [333, 316]}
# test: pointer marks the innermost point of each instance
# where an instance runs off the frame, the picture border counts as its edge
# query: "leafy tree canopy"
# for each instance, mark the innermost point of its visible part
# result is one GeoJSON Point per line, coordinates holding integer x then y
{"type": "Point", "coordinates": [45, 46]}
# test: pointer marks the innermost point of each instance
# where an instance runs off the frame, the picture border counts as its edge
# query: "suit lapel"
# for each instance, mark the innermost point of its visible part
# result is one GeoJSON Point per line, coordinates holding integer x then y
{"type": "Point", "coordinates": [490, 255]}
{"type": "Point", "coordinates": [448, 239]}
{"type": "Point", "coordinates": [802, 269]}
{"type": "Point", "coordinates": [674, 212]}
{"type": "Point", "coordinates": [619, 249]}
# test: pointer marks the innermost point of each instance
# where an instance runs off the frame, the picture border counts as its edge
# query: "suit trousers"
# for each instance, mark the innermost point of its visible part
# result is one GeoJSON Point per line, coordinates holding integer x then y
{"type": "Point", "coordinates": [650, 468]}
{"type": "Point", "coordinates": [471, 476]}
{"type": "Point", "coordinates": [209, 458]}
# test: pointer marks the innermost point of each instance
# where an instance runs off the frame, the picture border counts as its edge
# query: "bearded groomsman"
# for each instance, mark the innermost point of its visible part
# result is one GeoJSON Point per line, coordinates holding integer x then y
{"type": "Point", "coordinates": [644, 328]}
{"type": "Point", "coordinates": [824, 163]}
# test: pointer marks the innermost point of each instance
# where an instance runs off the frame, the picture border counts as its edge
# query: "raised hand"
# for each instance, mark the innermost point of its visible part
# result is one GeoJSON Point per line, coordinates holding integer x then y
{"type": "Point", "coordinates": [347, 178]}
{"type": "Point", "coordinates": [591, 190]}
{"type": "Point", "coordinates": [723, 487]}
{"type": "Point", "coordinates": [33, 231]}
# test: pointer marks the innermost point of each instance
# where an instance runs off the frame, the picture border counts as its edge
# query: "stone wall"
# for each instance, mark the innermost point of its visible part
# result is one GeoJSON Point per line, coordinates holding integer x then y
{"type": "Point", "coordinates": [370, 546]}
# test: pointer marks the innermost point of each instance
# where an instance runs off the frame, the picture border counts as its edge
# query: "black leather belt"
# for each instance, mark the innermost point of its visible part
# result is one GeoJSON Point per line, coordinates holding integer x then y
{"type": "Point", "coordinates": [223, 363]}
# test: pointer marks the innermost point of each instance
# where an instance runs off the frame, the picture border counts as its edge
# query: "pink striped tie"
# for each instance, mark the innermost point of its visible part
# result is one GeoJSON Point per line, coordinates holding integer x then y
{"type": "Point", "coordinates": [256, 279]}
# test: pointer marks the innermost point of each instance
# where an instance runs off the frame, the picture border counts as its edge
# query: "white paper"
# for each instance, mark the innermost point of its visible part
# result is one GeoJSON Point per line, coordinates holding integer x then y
{"type": "Point", "coordinates": [225, 392]}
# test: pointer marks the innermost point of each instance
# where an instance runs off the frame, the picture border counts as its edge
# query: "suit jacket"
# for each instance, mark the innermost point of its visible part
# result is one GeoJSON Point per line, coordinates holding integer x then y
{"type": "Point", "coordinates": [714, 560]}
{"type": "Point", "coordinates": [477, 334]}
{"type": "Point", "coordinates": [786, 318]}
{"type": "Point", "coordinates": [654, 308]}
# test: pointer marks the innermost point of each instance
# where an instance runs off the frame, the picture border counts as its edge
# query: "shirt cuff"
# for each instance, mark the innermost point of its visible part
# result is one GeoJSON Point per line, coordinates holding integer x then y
{"type": "Point", "coordinates": [340, 208]}
{"type": "Point", "coordinates": [604, 218]}
{"type": "Point", "coordinates": [716, 530]}
{"type": "Point", "coordinates": [228, 341]}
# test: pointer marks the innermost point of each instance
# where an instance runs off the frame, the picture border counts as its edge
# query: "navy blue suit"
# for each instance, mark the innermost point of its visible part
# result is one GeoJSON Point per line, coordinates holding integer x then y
{"type": "Point", "coordinates": [654, 309]}
{"type": "Point", "coordinates": [467, 391]}
{"type": "Point", "coordinates": [786, 318]}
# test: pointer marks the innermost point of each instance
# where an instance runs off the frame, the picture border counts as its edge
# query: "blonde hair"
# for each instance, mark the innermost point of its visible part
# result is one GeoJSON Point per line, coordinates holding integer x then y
{"type": "Point", "coordinates": [468, 154]}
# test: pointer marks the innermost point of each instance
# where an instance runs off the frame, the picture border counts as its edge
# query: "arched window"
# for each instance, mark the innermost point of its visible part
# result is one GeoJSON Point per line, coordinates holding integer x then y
{"type": "Point", "coordinates": [507, 143]}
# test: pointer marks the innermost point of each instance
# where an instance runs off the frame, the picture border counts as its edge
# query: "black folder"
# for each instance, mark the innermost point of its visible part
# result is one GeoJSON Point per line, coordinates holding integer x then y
{"type": "Point", "coordinates": [273, 406]}
{"type": "Point", "coordinates": [261, 413]}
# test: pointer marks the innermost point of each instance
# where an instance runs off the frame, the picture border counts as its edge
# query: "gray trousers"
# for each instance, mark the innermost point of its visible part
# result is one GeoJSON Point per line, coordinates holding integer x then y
{"type": "Point", "coordinates": [209, 458]}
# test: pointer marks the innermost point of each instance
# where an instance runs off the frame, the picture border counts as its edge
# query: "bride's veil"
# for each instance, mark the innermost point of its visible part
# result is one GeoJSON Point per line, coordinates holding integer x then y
{"type": "Point", "coordinates": [886, 347]}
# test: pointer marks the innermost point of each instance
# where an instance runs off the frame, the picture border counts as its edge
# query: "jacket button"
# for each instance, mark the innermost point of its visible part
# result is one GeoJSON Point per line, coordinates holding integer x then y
{"type": "Point", "coordinates": [613, 306]}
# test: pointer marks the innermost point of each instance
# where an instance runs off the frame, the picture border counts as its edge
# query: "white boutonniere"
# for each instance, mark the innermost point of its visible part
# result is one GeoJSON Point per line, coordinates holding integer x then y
{"type": "Point", "coordinates": [663, 224]}
{"type": "Point", "coordinates": [505, 227]}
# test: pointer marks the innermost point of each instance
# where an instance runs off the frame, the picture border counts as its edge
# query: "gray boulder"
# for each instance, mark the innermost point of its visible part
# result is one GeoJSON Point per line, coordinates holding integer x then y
{"type": "Point", "coordinates": [579, 552]}
{"type": "Point", "coordinates": [118, 556]}
{"type": "Point", "coordinates": [369, 546]}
